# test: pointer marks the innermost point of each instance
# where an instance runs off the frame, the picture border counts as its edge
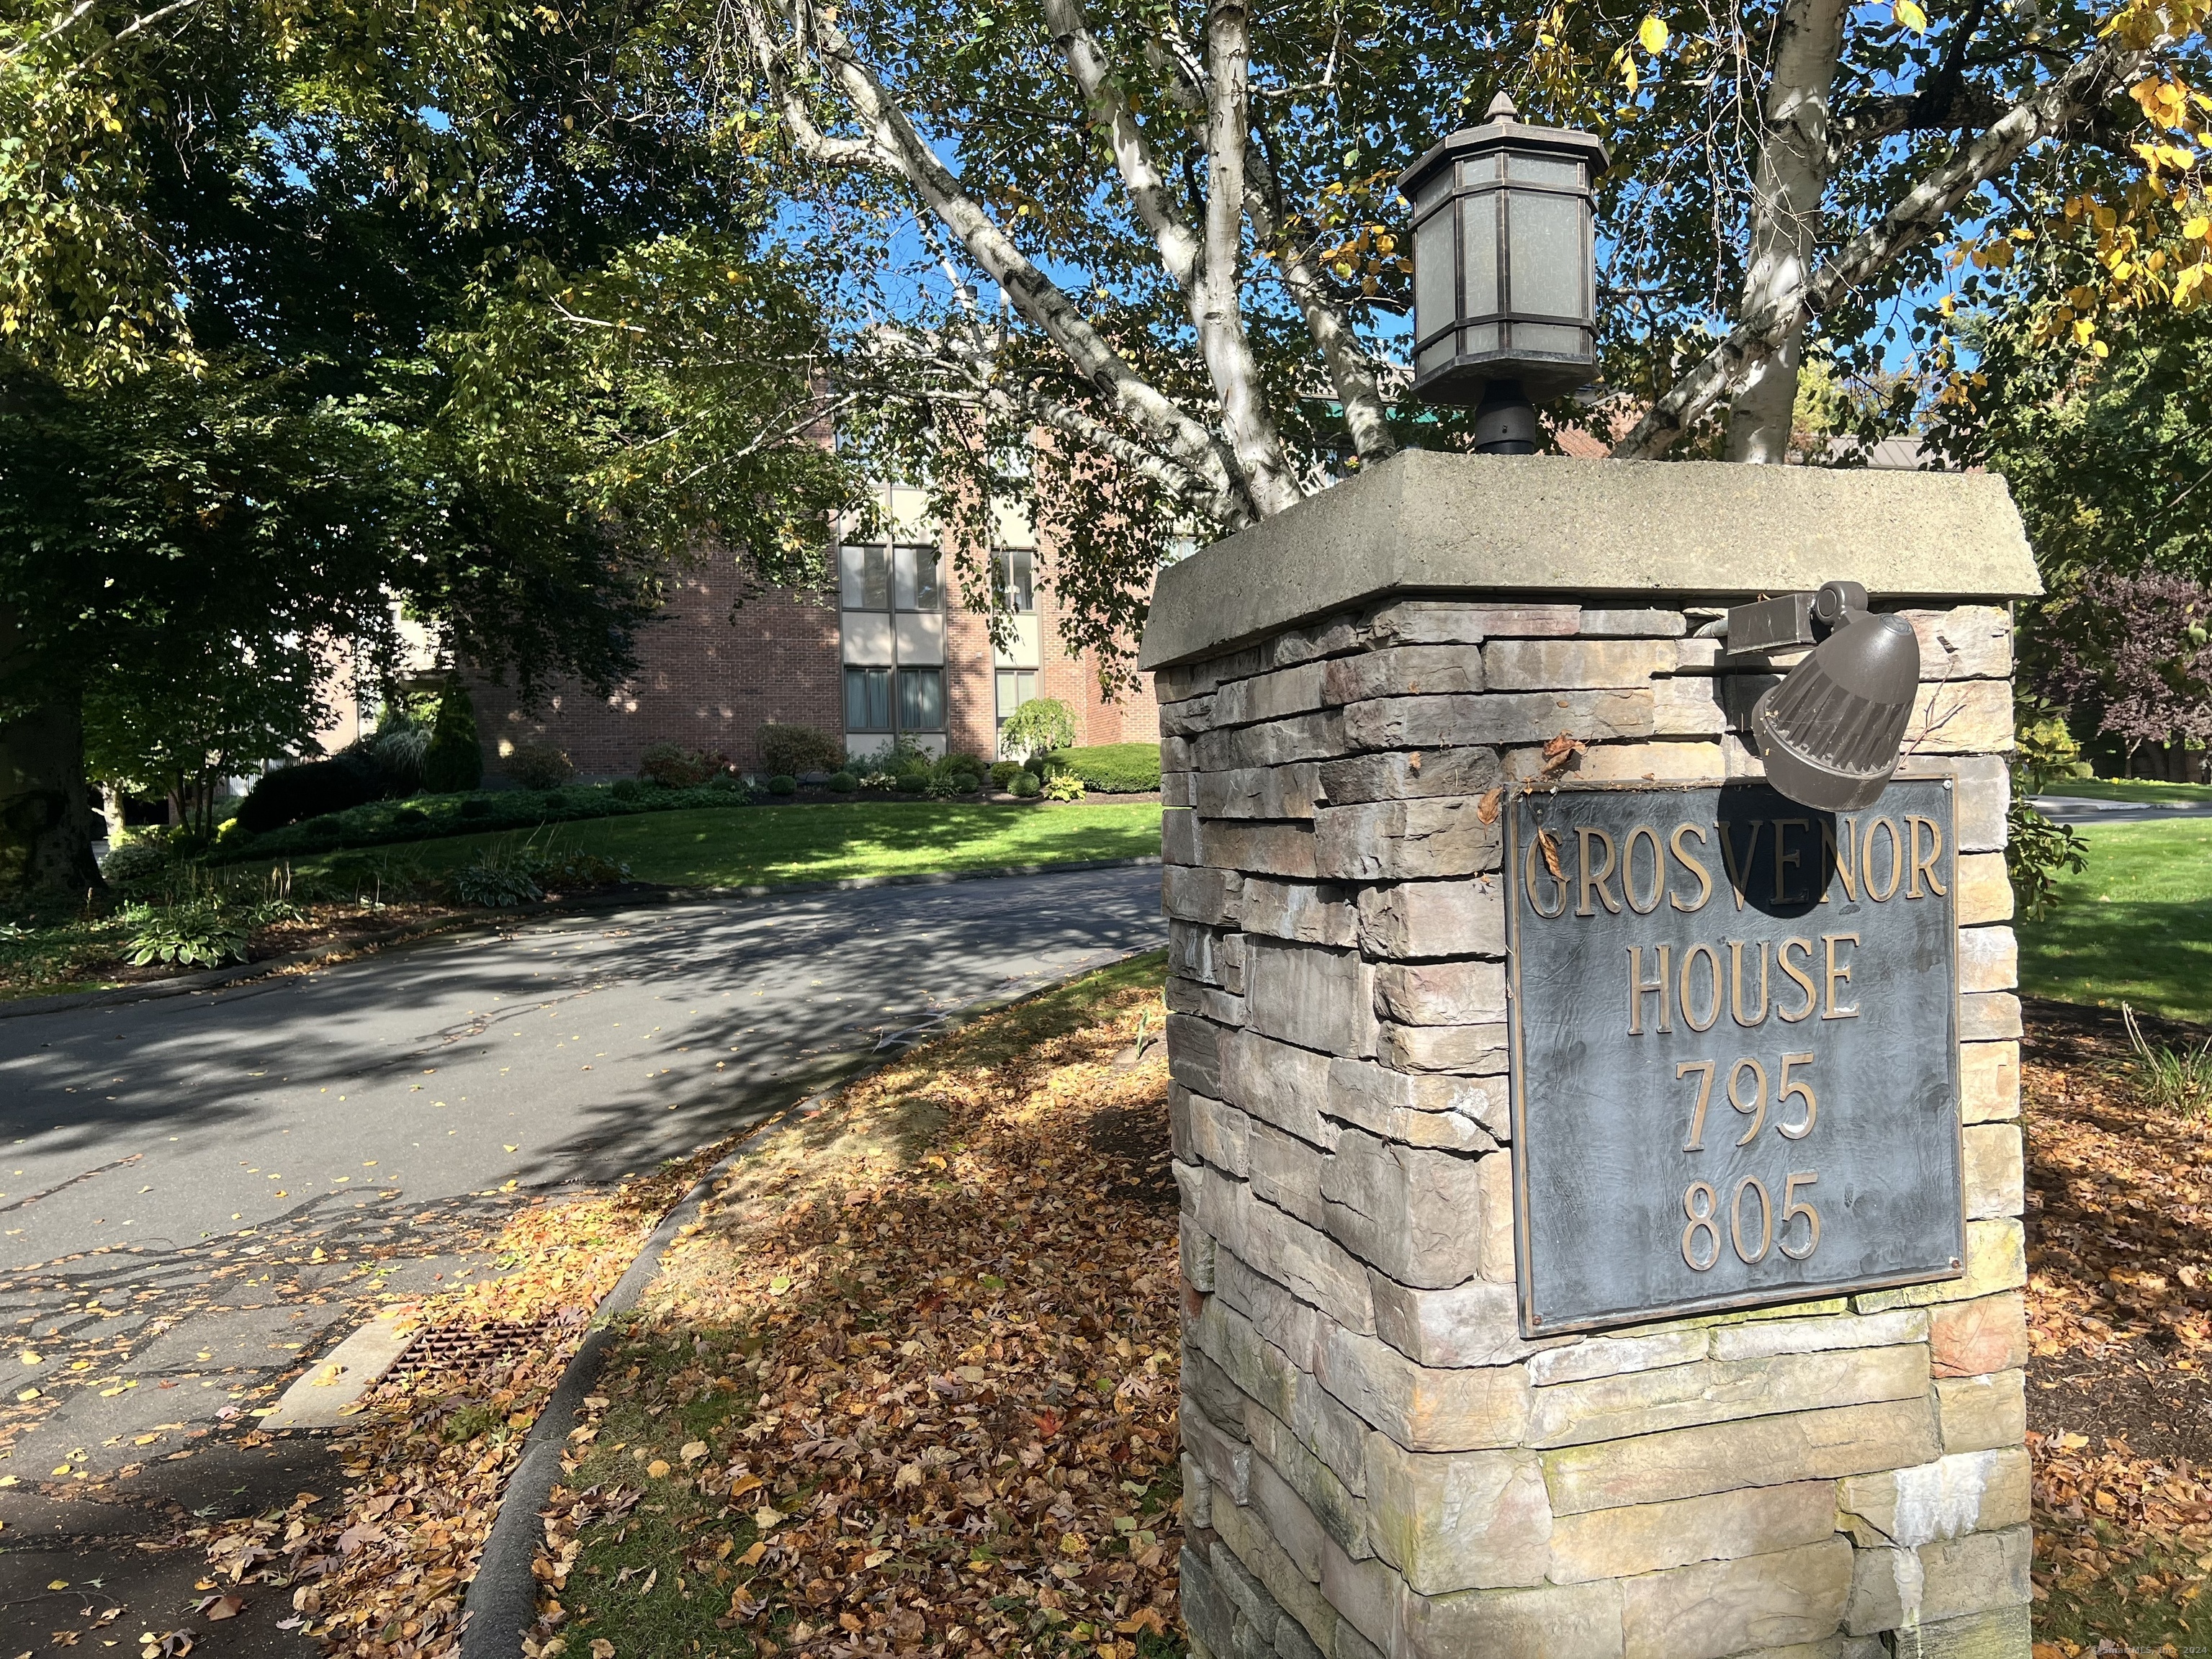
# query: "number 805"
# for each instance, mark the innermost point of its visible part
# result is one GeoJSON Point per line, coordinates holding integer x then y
{"type": "Point", "coordinates": [1701, 1204]}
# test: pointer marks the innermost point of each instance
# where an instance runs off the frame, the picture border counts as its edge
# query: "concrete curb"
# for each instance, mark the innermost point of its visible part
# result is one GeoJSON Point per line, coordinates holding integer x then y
{"type": "Point", "coordinates": [502, 1604]}
{"type": "Point", "coordinates": [490, 922]}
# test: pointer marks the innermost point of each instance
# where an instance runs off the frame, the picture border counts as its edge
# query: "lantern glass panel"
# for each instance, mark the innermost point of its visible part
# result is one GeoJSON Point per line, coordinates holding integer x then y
{"type": "Point", "coordinates": [1555, 337]}
{"type": "Point", "coordinates": [1549, 279]}
{"type": "Point", "coordinates": [1436, 357]}
{"type": "Point", "coordinates": [1432, 275]}
{"type": "Point", "coordinates": [1478, 235]}
{"type": "Point", "coordinates": [1489, 337]}
{"type": "Point", "coordinates": [1482, 170]}
{"type": "Point", "coordinates": [1431, 191]}
{"type": "Point", "coordinates": [1544, 170]}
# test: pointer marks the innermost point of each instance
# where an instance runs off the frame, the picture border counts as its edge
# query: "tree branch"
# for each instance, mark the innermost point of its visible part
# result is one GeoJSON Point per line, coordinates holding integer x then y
{"type": "Point", "coordinates": [1919, 216]}
{"type": "Point", "coordinates": [894, 147]}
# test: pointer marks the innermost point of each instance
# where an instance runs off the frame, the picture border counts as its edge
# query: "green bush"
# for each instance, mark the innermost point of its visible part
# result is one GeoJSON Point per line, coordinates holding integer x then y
{"type": "Point", "coordinates": [788, 751]}
{"type": "Point", "coordinates": [2036, 851]}
{"type": "Point", "coordinates": [674, 767]}
{"type": "Point", "coordinates": [1025, 785]}
{"type": "Point", "coordinates": [476, 807]}
{"type": "Point", "coordinates": [1042, 723]}
{"type": "Point", "coordinates": [141, 859]}
{"type": "Point", "coordinates": [626, 789]}
{"type": "Point", "coordinates": [453, 764]}
{"type": "Point", "coordinates": [783, 784]}
{"type": "Point", "coordinates": [1113, 768]}
{"type": "Point", "coordinates": [1063, 786]}
{"type": "Point", "coordinates": [1004, 773]}
{"type": "Point", "coordinates": [538, 765]}
{"type": "Point", "coordinates": [844, 783]}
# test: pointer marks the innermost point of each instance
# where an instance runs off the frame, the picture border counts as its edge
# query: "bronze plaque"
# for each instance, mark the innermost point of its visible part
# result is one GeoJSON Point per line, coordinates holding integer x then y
{"type": "Point", "coordinates": [1734, 1024]}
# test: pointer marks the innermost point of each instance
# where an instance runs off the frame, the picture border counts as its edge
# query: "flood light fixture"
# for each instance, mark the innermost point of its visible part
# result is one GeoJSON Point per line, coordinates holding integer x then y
{"type": "Point", "coordinates": [1831, 734]}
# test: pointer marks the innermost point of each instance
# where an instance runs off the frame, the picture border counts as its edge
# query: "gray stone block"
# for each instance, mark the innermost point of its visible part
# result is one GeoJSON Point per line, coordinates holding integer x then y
{"type": "Point", "coordinates": [1329, 1429]}
{"type": "Point", "coordinates": [1272, 743]}
{"type": "Point", "coordinates": [1471, 1324]}
{"type": "Point", "coordinates": [1423, 1408]}
{"type": "Point", "coordinates": [1187, 718]}
{"type": "Point", "coordinates": [1990, 1017]}
{"type": "Point", "coordinates": [1179, 838]}
{"type": "Point", "coordinates": [1193, 951]}
{"type": "Point", "coordinates": [1208, 898]}
{"type": "Point", "coordinates": [1984, 789]}
{"type": "Point", "coordinates": [1638, 1403]}
{"type": "Point", "coordinates": [1403, 1209]}
{"type": "Point", "coordinates": [1178, 788]}
{"type": "Point", "coordinates": [1194, 1053]}
{"type": "Point", "coordinates": [1365, 1595]}
{"type": "Point", "coordinates": [1269, 697]}
{"type": "Point", "coordinates": [1641, 1538]}
{"type": "Point", "coordinates": [1999, 1633]}
{"type": "Point", "coordinates": [1285, 1171]}
{"type": "Point", "coordinates": [1433, 919]}
{"type": "Point", "coordinates": [1426, 622]}
{"type": "Point", "coordinates": [1214, 1390]}
{"type": "Point", "coordinates": [1633, 624]}
{"type": "Point", "coordinates": [1590, 1358]}
{"type": "Point", "coordinates": [1206, 1604]}
{"type": "Point", "coordinates": [1406, 840]}
{"type": "Point", "coordinates": [1318, 999]}
{"type": "Point", "coordinates": [1575, 664]}
{"type": "Point", "coordinates": [1311, 913]}
{"type": "Point", "coordinates": [1279, 1318]}
{"type": "Point", "coordinates": [1994, 1184]}
{"type": "Point", "coordinates": [1496, 718]}
{"type": "Point", "coordinates": [1280, 1082]}
{"type": "Point", "coordinates": [1458, 1521]}
{"type": "Point", "coordinates": [1188, 996]}
{"type": "Point", "coordinates": [1719, 1608]}
{"type": "Point", "coordinates": [1989, 959]}
{"type": "Point", "coordinates": [1478, 1050]}
{"type": "Point", "coordinates": [1956, 1494]}
{"type": "Point", "coordinates": [1556, 1621]}
{"type": "Point", "coordinates": [1974, 1413]}
{"type": "Point", "coordinates": [1967, 641]}
{"type": "Point", "coordinates": [1440, 992]}
{"type": "Point", "coordinates": [1195, 1250]}
{"type": "Point", "coordinates": [1406, 671]}
{"type": "Point", "coordinates": [1263, 792]}
{"type": "Point", "coordinates": [1954, 1578]}
{"type": "Point", "coordinates": [1267, 849]}
{"type": "Point", "coordinates": [1261, 1371]}
{"type": "Point", "coordinates": [1333, 1506]}
{"type": "Point", "coordinates": [1197, 1494]}
{"type": "Point", "coordinates": [1452, 1113]}
{"type": "Point", "coordinates": [1407, 775]}
{"type": "Point", "coordinates": [1227, 1461]}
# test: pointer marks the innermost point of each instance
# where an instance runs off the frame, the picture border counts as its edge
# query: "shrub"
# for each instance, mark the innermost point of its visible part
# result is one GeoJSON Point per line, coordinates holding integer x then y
{"type": "Point", "coordinates": [202, 932]}
{"type": "Point", "coordinates": [495, 883]}
{"type": "Point", "coordinates": [674, 767]}
{"type": "Point", "coordinates": [476, 806]}
{"type": "Point", "coordinates": [844, 783]}
{"type": "Point", "coordinates": [538, 765]}
{"type": "Point", "coordinates": [410, 818]}
{"type": "Point", "coordinates": [783, 784]}
{"type": "Point", "coordinates": [1062, 786]}
{"type": "Point", "coordinates": [1042, 723]}
{"type": "Point", "coordinates": [144, 858]}
{"type": "Point", "coordinates": [881, 783]}
{"type": "Point", "coordinates": [1003, 773]}
{"type": "Point", "coordinates": [913, 780]}
{"type": "Point", "coordinates": [453, 763]}
{"type": "Point", "coordinates": [626, 789]}
{"type": "Point", "coordinates": [1025, 785]}
{"type": "Point", "coordinates": [311, 789]}
{"type": "Point", "coordinates": [788, 751]}
{"type": "Point", "coordinates": [947, 785]}
{"type": "Point", "coordinates": [1116, 769]}
{"type": "Point", "coordinates": [2036, 850]}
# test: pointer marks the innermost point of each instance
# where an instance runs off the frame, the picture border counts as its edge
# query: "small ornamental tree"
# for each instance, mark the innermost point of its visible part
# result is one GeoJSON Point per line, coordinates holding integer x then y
{"type": "Point", "coordinates": [1038, 726]}
{"type": "Point", "coordinates": [2133, 654]}
{"type": "Point", "coordinates": [455, 761]}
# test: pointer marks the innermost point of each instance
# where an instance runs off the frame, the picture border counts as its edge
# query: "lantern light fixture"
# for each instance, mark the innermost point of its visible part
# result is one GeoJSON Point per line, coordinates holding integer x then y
{"type": "Point", "coordinates": [1505, 270]}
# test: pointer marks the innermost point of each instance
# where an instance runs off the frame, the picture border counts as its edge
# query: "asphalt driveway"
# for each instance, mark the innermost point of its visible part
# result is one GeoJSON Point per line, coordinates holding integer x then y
{"type": "Point", "coordinates": [199, 1194]}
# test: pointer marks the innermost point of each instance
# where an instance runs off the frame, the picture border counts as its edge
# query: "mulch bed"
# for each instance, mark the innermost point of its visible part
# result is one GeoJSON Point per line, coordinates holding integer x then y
{"type": "Point", "coordinates": [2119, 1399]}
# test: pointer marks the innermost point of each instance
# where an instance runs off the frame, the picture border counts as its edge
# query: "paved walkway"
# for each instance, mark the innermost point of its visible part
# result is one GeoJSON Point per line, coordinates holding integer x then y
{"type": "Point", "coordinates": [2076, 809]}
{"type": "Point", "coordinates": [199, 1194]}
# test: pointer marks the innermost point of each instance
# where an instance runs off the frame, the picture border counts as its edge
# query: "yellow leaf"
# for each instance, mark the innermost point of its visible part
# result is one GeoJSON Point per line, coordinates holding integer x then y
{"type": "Point", "coordinates": [1652, 32]}
{"type": "Point", "coordinates": [58, 1583]}
{"type": "Point", "coordinates": [694, 1450]}
{"type": "Point", "coordinates": [1908, 15]}
{"type": "Point", "coordinates": [657, 1469]}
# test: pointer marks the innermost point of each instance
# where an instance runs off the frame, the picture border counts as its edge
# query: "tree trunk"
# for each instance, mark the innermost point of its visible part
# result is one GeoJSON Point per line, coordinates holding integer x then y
{"type": "Point", "coordinates": [45, 813]}
{"type": "Point", "coordinates": [1792, 178]}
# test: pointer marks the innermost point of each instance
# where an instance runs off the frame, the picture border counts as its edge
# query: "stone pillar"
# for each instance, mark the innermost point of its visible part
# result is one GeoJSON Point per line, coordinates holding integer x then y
{"type": "Point", "coordinates": [1377, 1460]}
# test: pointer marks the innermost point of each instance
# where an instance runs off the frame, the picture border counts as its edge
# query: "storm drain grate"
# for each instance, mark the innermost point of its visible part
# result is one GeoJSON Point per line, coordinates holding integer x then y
{"type": "Point", "coordinates": [468, 1350]}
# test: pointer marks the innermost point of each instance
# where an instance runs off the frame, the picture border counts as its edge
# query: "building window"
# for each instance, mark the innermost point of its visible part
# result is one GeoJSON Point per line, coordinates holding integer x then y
{"type": "Point", "coordinates": [917, 583]}
{"type": "Point", "coordinates": [1016, 579]}
{"type": "Point", "coordinates": [865, 578]}
{"type": "Point", "coordinates": [868, 700]}
{"type": "Point", "coordinates": [921, 700]}
{"type": "Point", "coordinates": [1016, 687]}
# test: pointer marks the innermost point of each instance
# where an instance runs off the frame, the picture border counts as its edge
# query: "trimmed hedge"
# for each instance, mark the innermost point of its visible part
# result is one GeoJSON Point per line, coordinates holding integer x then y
{"type": "Point", "coordinates": [1113, 768]}
{"type": "Point", "coordinates": [429, 817]}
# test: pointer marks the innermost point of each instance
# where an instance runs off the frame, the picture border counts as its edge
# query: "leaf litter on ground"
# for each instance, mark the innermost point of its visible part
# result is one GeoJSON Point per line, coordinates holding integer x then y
{"type": "Point", "coordinates": [910, 1385]}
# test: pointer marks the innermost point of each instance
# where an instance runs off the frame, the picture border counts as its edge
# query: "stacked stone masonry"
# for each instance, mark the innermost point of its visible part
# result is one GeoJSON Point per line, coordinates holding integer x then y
{"type": "Point", "coordinates": [1375, 1462]}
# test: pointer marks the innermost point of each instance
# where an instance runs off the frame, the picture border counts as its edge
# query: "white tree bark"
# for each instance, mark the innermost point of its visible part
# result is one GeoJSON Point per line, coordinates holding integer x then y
{"type": "Point", "coordinates": [1791, 179]}
{"type": "Point", "coordinates": [2080, 88]}
{"type": "Point", "coordinates": [1228, 350]}
{"type": "Point", "coordinates": [894, 147]}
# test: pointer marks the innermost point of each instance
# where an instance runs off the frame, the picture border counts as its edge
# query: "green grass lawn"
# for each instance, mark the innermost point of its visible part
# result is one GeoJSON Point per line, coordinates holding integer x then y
{"type": "Point", "coordinates": [2135, 927]}
{"type": "Point", "coordinates": [2141, 790]}
{"type": "Point", "coordinates": [778, 845]}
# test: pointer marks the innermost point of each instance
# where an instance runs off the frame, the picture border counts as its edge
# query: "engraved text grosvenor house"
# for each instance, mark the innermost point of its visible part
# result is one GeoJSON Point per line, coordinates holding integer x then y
{"type": "Point", "coordinates": [1734, 1048]}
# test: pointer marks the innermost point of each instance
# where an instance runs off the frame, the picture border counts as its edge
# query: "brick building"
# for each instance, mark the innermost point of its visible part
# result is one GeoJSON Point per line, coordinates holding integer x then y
{"type": "Point", "coordinates": [892, 649]}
